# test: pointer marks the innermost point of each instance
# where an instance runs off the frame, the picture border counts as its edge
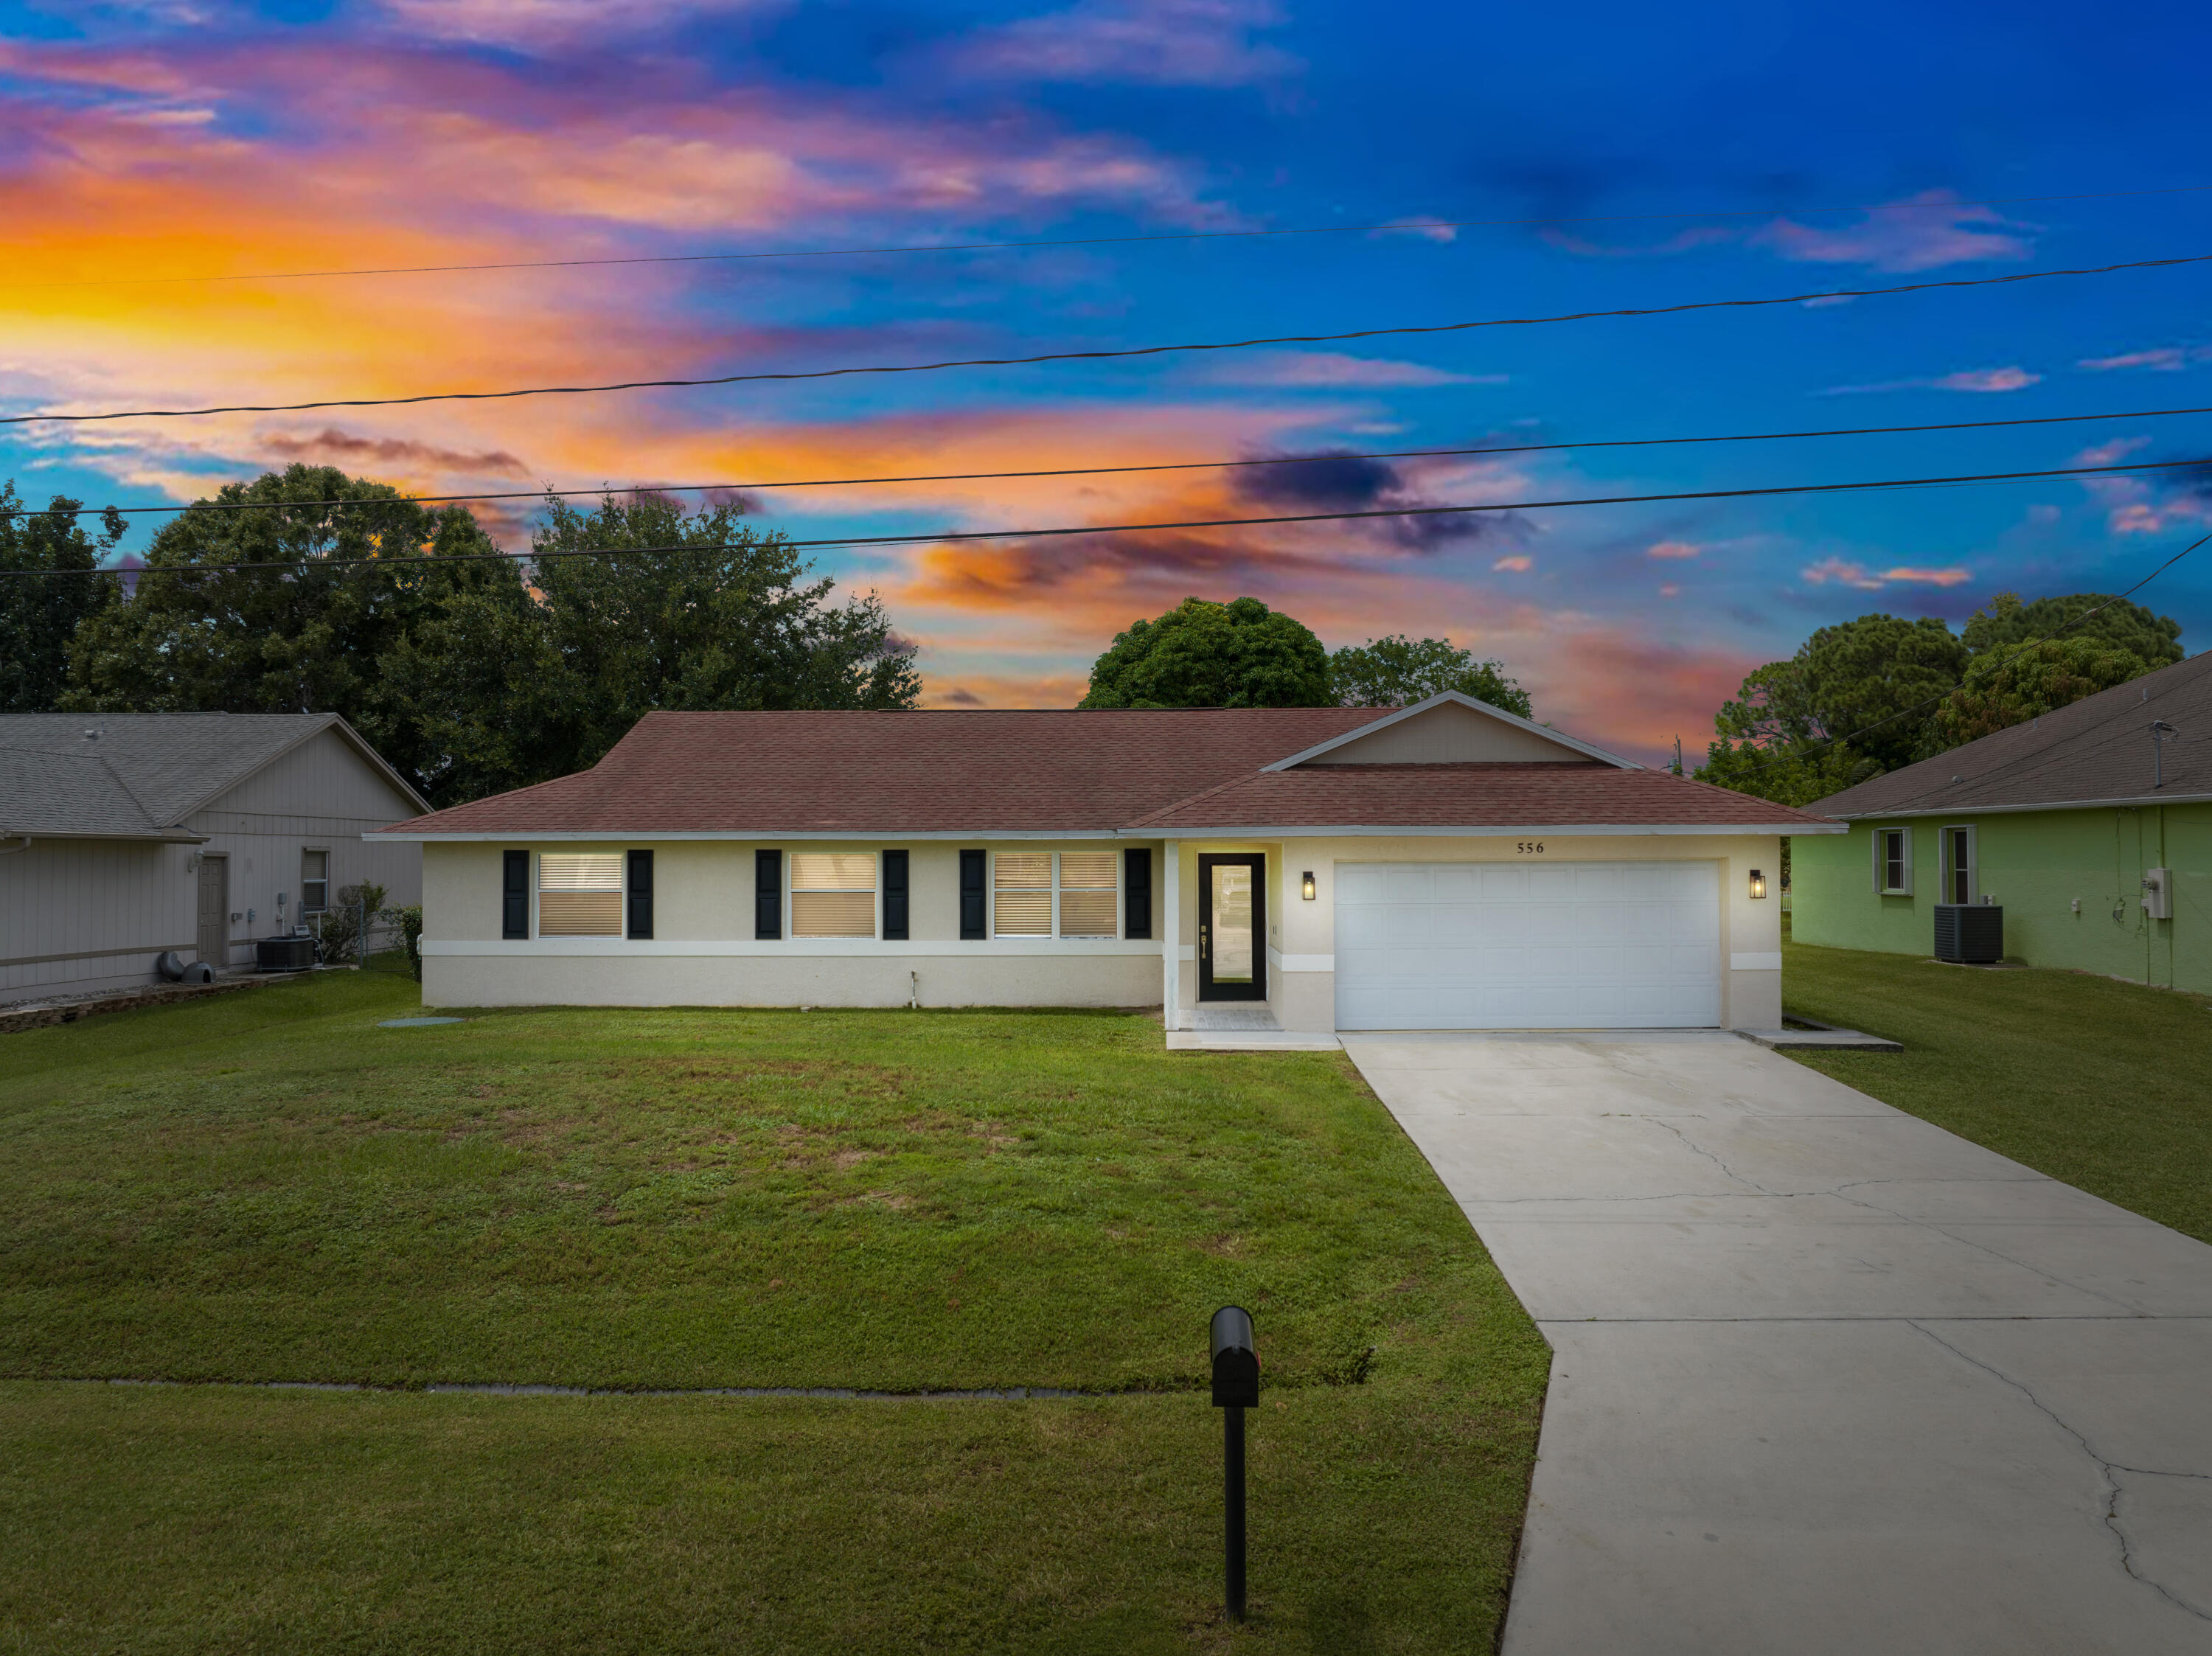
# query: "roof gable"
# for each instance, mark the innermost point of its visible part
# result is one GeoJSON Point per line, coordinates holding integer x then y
{"type": "Point", "coordinates": [172, 764]}
{"type": "Point", "coordinates": [1450, 728]}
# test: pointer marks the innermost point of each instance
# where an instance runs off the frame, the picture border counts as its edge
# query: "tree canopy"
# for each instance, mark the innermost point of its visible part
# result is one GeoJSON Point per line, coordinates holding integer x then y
{"type": "Point", "coordinates": [1200, 654]}
{"type": "Point", "coordinates": [40, 614]}
{"type": "Point", "coordinates": [1396, 671]}
{"type": "Point", "coordinates": [2014, 685]}
{"type": "Point", "coordinates": [1848, 705]}
{"type": "Point", "coordinates": [343, 571]}
{"type": "Point", "coordinates": [2117, 624]}
{"type": "Point", "coordinates": [516, 686]}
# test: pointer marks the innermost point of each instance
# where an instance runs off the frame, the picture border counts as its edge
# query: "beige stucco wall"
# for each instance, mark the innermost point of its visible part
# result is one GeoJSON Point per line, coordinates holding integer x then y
{"type": "Point", "coordinates": [1302, 936]}
{"type": "Point", "coordinates": [704, 952]}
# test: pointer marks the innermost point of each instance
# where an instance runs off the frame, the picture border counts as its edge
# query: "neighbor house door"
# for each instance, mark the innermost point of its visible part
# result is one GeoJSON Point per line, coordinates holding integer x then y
{"type": "Point", "coordinates": [1232, 927]}
{"type": "Point", "coordinates": [214, 912]}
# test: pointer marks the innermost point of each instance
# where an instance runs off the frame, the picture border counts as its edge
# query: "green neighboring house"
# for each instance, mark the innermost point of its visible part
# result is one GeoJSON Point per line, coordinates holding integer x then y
{"type": "Point", "coordinates": [2091, 826]}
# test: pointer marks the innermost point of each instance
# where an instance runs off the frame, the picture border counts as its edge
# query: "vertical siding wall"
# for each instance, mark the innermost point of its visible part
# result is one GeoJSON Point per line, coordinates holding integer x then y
{"type": "Point", "coordinates": [113, 905]}
{"type": "Point", "coordinates": [321, 796]}
{"type": "Point", "coordinates": [2036, 864]}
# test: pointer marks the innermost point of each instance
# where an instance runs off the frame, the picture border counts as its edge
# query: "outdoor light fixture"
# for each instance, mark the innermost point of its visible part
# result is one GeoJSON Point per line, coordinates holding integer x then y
{"type": "Point", "coordinates": [1306, 885]}
{"type": "Point", "coordinates": [1236, 1388]}
{"type": "Point", "coordinates": [1758, 883]}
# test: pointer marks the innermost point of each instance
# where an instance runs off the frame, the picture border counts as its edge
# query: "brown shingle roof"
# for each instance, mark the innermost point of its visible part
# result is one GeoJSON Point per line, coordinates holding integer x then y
{"type": "Point", "coordinates": [787, 774]}
{"type": "Point", "coordinates": [952, 771]}
{"type": "Point", "coordinates": [2096, 749]}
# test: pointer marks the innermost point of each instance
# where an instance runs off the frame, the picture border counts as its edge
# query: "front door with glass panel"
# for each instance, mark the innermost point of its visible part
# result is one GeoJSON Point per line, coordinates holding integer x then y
{"type": "Point", "coordinates": [1232, 928]}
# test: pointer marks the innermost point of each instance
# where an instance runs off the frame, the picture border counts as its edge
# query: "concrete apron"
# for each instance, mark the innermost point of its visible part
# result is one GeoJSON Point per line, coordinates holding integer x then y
{"type": "Point", "coordinates": [1825, 1378]}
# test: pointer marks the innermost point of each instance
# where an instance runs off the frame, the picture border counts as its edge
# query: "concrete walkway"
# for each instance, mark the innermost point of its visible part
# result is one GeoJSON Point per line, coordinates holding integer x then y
{"type": "Point", "coordinates": [1824, 1378]}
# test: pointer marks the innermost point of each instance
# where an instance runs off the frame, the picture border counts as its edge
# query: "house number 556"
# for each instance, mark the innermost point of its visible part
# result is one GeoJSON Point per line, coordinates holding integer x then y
{"type": "Point", "coordinates": [1530, 847]}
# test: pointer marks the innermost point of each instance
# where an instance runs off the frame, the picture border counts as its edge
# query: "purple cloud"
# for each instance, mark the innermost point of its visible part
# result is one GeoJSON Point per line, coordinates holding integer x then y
{"type": "Point", "coordinates": [1160, 42]}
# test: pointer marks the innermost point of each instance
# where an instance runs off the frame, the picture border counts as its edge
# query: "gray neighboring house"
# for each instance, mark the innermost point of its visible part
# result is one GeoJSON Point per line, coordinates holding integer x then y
{"type": "Point", "coordinates": [126, 835]}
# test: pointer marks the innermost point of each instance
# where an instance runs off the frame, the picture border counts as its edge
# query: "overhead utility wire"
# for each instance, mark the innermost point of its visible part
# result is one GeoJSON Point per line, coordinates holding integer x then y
{"type": "Point", "coordinates": [1097, 356]}
{"type": "Point", "coordinates": [2026, 645]}
{"type": "Point", "coordinates": [429, 560]}
{"type": "Point", "coordinates": [1103, 471]}
{"type": "Point", "coordinates": [1089, 241]}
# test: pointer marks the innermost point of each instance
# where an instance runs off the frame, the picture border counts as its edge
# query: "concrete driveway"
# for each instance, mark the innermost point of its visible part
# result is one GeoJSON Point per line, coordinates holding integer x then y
{"type": "Point", "coordinates": [1824, 1378]}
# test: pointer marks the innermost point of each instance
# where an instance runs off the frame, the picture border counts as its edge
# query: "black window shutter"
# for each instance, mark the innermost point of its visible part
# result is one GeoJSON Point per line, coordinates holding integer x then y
{"type": "Point", "coordinates": [514, 910]}
{"type": "Point", "coordinates": [973, 896]}
{"type": "Point", "coordinates": [1136, 892]}
{"type": "Point", "coordinates": [895, 894]}
{"type": "Point", "coordinates": [768, 893]}
{"type": "Point", "coordinates": [641, 894]}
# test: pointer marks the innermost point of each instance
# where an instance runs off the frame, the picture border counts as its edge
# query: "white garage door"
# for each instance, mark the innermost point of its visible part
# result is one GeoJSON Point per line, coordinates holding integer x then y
{"type": "Point", "coordinates": [1521, 946]}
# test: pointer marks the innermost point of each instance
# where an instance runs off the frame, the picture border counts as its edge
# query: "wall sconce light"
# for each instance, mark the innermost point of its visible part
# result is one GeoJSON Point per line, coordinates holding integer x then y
{"type": "Point", "coordinates": [1306, 885]}
{"type": "Point", "coordinates": [1758, 883]}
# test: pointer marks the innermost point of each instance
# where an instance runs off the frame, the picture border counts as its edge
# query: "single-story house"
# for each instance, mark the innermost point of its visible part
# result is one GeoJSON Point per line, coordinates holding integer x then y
{"type": "Point", "coordinates": [1444, 865]}
{"type": "Point", "coordinates": [2090, 827]}
{"type": "Point", "coordinates": [124, 836]}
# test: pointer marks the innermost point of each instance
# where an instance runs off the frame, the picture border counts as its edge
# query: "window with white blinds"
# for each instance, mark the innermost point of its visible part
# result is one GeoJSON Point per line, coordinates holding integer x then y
{"type": "Point", "coordinates": [1088, 895]}
{"type": "Point", "coordinates": [833, 894]}
{"type": "Point", "coordinates": [1021, 894]}
{"type": "Point", "coordinates": [1024, 884]}
{"type": "Point", "coordinates": [580, 894]}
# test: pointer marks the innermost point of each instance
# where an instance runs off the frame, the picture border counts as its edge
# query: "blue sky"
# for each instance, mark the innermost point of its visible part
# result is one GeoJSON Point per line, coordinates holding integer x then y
{"type": "Point", "coordinates": [1697, 151]}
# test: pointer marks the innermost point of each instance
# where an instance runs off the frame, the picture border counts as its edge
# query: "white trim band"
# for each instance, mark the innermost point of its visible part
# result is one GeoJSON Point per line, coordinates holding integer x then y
{"type": "Point", "coordinates": [796, 948]}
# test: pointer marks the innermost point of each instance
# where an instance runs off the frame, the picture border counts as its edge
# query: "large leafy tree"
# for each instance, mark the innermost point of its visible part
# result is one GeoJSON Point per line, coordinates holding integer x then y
{"type": "Point", "coordinates": [1397, 671]}
{"type": "Point", "coordinates": [1867, 679]}
{"type": "Point", "coordinates": [2108, 620]}
{"type": "Point", "coordinates": [285, 595]}
{"type": "Point", "coordinates": [40, 611]}
{"type": "Point", "coordinates": [516, 686]}
{"type": "Point", "coordinates": [2012, 685]}
{"type": "Point", "coordinates": [1771, 741]}
{"type": "Point", "coordinates": [1200, 654]}
{"type": "Point", "coordinates": [1846, 707]}
{"type": "Point", "coordinates": [1850, 704]}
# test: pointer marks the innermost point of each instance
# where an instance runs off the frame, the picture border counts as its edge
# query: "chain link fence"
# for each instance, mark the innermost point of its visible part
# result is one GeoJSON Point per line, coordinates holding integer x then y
{"type": "Point", "coordinates": [361, 929]}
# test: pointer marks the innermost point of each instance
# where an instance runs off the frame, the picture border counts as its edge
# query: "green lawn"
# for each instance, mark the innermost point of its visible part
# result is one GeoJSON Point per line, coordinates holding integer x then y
{"type": "Point", "coordinates": [268, 1186]}
{"type": "Point", "coordinates": [2103, 1085]}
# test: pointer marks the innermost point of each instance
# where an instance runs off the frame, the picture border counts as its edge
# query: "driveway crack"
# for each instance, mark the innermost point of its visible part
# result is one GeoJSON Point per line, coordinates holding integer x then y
{"type": "Point", "coordinates": [2111, 1470]}
{"type": "Point", "coordinates": [1696, 1148]}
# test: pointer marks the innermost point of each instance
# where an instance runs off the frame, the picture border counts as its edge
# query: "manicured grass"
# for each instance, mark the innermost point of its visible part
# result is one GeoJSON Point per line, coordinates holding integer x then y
{"type": "Point", "coordinates": [268, 1187]}
{"type": "Point", "coordinates": [2106, 1085]}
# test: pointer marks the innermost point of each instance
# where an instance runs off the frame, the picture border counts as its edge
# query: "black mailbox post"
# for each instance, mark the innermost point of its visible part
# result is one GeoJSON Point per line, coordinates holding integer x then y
{"type": "Point", "coordinates": [1236, 1388]}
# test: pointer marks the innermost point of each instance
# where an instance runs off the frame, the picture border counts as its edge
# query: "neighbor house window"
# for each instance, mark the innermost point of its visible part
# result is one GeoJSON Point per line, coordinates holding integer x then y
{"type": "Point", "coordinates": [833, 894]}
{"type": "Point", "coordinates": [580, 894]}
{"type": "Point", "coordinates": [1039, 894]}
{"type": "Point", "coordinates": [1087, 893]}
{"type": "Point", "coordinates": [1893, 861]}
{"type": "Point", "coordinates": [315, 882]}
{"type": "Point", "coordinates": [1959, 870]}
{"type": "Point", "coordinates": [1021, 894]}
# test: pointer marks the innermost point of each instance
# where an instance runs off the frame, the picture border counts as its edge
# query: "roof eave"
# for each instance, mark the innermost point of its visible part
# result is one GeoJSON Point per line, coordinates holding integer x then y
{"type": "Point", "coordinates": [151, 836]}
{"type": "Point", "coordinates": [2043, 805]}
{"type": "Point", "coordinates": [1149, 831]}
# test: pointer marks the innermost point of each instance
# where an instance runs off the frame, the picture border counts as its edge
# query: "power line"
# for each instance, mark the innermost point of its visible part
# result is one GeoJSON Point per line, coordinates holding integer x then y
{"type": "Point", "coordinates": [2026, 645]}
{"type": "Point", "coordinates": [429, 560]}
{"type": "Point", "coordinates": [1414, 225]}
{"type": "Point", "coordinates": [1094, 355]}
{"type": "Point", "coordinates": [1108, 472]}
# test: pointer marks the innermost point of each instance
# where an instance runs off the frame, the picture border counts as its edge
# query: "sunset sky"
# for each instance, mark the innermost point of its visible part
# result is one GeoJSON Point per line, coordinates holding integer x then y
{"type": "Point", "coordinates": [1687, 153]}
